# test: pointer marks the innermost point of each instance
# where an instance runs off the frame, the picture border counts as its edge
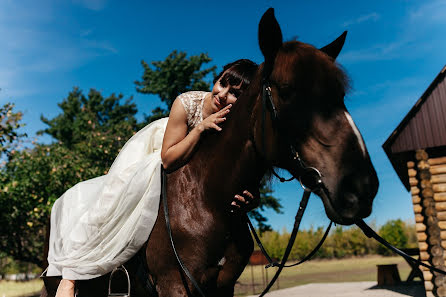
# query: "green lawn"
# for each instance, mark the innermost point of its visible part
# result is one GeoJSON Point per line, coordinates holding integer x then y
{"type": "Point", "coordinates": [15, 289]}
{"type": "Point", "coordinates": [318, 271]}
{"type": "Point", "coordinates": [322, 271]}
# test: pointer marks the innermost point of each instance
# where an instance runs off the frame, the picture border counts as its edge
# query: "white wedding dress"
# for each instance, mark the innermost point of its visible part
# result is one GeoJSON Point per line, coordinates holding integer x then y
{"type": "Point", "coordinates": [101, 223]}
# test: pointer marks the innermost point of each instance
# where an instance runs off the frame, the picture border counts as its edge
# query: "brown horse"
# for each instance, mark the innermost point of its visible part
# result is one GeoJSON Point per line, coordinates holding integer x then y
{"type": "Point", "coordinates": [308, 90]}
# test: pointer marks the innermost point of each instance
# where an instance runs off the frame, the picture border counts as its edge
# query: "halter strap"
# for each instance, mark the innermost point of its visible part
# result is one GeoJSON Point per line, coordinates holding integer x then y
{"type": "Point", "coordinates": [272, 263]}
{"type": "Point", "coordinates": [297, 220]}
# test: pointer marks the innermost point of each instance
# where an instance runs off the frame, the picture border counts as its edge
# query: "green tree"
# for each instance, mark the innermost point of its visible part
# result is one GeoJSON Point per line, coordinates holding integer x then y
{"type": "Point", "coordinates": [90, 131]}
{"type": "Point", "coordinates": [394, 232]}
{"type": "Point", "coordinates": [275, 243]}
{"type": "Point", "coordinates": [172, 76]}
{"type": "Point", "coordinates": [178, 74]}
{"type": "Point", "coordinates": [9, 124]}
{"type": "Point", "coordinates": [410, 231]}
{"type": "Point", "coordinates": [82, 116]}
{"type": "Point", "coordinates": [267, 200]}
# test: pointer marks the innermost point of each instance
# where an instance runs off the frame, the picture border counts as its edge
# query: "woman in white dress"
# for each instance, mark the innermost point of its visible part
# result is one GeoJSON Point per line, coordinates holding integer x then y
{"type": "Point", "coordinates": [101, 223]}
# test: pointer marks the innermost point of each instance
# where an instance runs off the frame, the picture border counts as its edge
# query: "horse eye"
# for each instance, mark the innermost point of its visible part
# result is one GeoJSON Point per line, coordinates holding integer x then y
{"type": "Point", "coordinates": [286, 91]}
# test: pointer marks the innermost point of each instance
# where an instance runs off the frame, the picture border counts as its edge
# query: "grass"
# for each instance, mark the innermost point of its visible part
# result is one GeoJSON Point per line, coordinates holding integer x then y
{"type": "Point", "coordinates": [16, 289]}
{"type": "Point", "coordinates": [318, 271]}
{"type": "Point", "coordinates": [315, 271]}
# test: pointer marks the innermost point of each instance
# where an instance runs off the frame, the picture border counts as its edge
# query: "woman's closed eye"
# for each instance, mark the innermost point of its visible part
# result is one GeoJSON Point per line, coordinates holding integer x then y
{"type": "Point", "coordinates": [235, 92]}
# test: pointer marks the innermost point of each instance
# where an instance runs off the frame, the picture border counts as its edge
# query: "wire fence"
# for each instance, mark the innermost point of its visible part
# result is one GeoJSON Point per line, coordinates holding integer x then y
{"type": "Point", "coordinates": [254, 279]}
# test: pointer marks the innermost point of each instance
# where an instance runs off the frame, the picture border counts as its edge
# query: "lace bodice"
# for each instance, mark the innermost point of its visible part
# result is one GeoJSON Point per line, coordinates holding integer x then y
{"type": "Point", "coordinates": [193, 104]}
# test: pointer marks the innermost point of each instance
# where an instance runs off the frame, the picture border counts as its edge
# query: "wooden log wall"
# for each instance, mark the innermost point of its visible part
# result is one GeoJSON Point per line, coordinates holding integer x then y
{"type": "Point", "coordinates": [427, 178]}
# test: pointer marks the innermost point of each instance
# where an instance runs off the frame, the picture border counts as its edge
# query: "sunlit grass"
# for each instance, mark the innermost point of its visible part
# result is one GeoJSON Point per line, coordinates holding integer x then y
{"type": "Point", "coordinates": [318, 271]}
{"type": "Point", "coordinates": [16, 289]}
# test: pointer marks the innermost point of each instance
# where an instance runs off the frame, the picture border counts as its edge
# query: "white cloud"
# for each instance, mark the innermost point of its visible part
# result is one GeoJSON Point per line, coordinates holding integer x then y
{"type": "Point", "coordinates": [86, 33]}
{"type": "Point", "coordinates": [429, 12]}
{"type": "Point", "coordinates": [376, 52]}
{"type": "Point", "coordinates": [96, 5]}
{"type": "Point", "coordinates": [403, 83]}
{"type": "Point", "coordinates": [103, 46]}
{"type": "Point", "coordinates": [419, 33]}
{"type": "Point", "coordinates": [364, 18]}
{"type": "Point", "coordinates": [35, 48]}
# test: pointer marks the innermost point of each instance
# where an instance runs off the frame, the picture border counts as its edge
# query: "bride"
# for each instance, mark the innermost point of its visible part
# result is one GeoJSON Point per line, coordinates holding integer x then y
{"type": "Point", "coordinates": [101, 223]}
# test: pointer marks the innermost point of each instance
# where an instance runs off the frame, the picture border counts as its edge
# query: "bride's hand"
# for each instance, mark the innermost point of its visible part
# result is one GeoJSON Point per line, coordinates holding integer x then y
{"type": "Point", "coordinates": [212, 121]}
{"type": "Point", "coordinates": [246, 201]}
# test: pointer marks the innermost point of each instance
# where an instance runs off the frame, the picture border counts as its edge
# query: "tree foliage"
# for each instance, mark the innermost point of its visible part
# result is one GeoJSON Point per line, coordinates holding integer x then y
{"type": "Point", "coordinates": [90, 131]}
{"type": "Point", "coordinates": [394, 232]}
{"type": "Point", "coordinates": [9, 124]}
{"type": "Point", "coordinates": [83, 116]}
{"type": "Point", "coordinates": [341, 242]}
{"type": "Point", "coordinates": [266, 201]}
{"type": "Point", "coordinates": [173, 76]}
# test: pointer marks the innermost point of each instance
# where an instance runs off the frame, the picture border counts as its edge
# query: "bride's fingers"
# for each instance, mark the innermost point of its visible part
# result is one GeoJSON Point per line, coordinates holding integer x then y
{"type": "Point", "coordinates": [216, 127]}
{"type": "Point", "coordinates": [225, 109]}
{"type": "Point", "coordinates": [248, 195]}
{"type": "Point", "coordinates": [240, 198]}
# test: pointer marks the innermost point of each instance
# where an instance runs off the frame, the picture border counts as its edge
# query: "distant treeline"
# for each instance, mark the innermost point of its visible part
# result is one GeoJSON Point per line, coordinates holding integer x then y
{"type": "Point", "coordinates": [341, 242]}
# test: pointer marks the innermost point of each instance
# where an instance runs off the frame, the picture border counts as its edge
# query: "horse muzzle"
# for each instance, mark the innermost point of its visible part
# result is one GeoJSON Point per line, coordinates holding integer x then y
{"type": "Point", "coordinates": [352, 201]}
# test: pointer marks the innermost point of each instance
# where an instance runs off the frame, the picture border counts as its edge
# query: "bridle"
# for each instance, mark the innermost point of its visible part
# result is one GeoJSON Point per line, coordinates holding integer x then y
{"type": "Point", "coordinates": [312, 176]}
{"type": "Point", "coordinates": [311, 181]}
{"type": "Point", "coordinates": [309, 176]}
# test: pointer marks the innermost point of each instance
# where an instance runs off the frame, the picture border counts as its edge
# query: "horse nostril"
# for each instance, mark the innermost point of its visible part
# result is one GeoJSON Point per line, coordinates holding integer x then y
{"type": "Point", "coordinates": [350, 201]}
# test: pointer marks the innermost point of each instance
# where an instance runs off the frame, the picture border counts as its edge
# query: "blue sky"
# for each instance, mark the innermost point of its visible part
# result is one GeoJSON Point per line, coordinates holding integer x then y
{"type": "Point", "coordinates": [393, 51]}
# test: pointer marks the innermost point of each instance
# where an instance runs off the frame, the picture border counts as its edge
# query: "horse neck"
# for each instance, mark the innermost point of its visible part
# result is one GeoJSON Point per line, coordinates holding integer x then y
{"type": "Point", "coordinates": [230, 157]}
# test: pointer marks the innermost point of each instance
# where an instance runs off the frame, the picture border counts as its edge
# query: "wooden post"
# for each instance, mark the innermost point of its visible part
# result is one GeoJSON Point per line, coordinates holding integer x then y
{"type": "Point", "coordinates": [427, 178]}
{"type": "Point", "coordinates": [428, 229]}
{"type": "Point", "coordinates": [438, 179]}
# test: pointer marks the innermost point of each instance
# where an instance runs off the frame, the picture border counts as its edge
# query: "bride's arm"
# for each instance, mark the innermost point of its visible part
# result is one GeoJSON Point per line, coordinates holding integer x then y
{"type": "Point", "coordinates": [178, 145]}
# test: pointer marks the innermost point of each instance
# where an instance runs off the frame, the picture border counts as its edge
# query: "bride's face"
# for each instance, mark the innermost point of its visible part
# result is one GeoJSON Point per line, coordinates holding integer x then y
{"type": "Point", "coordinates": [223, 94]}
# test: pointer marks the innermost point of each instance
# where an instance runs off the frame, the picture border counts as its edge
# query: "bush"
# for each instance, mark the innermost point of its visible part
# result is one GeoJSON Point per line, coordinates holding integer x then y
{"type": "Point", "coordinates": [394, 232]}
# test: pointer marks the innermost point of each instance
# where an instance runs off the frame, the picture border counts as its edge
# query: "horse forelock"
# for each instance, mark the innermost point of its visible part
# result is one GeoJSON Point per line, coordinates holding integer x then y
{"type": "Point", "coordinates": [309, 70]}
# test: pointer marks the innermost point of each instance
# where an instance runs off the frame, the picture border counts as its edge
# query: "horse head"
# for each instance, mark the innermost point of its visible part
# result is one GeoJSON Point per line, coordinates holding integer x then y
{"type": "Point", "coordinates": [308, 89]}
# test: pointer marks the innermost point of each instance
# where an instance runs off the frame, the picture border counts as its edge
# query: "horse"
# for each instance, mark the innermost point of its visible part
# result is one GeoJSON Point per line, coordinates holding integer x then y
{"type": "Point", "coordinates": [308, 89]}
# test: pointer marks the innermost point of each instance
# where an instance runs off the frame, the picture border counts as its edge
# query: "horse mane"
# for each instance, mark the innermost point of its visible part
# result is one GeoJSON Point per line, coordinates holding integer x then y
{"type": "Point", "coordinates": [316, 75]}
{"type": "Point", "coordinates": [323, 70]}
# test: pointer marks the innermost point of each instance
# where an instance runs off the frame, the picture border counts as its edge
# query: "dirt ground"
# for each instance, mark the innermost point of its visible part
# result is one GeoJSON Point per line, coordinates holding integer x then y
{"type": "Point", "coordinates": [352, 289]}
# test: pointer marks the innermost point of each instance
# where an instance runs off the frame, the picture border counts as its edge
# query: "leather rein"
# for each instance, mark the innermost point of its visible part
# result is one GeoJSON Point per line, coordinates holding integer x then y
{"type": "Point", "coordinates": [316, 185]}
{"type": "Point", "coordinates": [311, 181]}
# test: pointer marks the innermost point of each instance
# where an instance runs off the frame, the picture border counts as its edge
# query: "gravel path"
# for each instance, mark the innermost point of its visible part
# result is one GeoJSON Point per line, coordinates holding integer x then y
{"type": "Point", "coordinates": [354, 289]}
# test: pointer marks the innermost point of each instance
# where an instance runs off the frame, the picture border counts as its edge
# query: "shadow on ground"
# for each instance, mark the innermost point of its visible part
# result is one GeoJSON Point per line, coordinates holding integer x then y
{"type": "Point", "coordinates": [414, 289]}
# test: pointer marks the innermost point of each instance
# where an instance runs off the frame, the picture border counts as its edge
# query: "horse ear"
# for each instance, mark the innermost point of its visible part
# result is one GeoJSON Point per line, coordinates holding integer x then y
{"type": "Point", "coordinates": [270, 37]}
{"type": "Point", "coordinates": [333, 49]}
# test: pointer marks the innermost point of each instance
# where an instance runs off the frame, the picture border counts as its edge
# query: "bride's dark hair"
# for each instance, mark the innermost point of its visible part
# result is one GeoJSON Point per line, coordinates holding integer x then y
{"type": "Point", "coordinates": [239, 72]}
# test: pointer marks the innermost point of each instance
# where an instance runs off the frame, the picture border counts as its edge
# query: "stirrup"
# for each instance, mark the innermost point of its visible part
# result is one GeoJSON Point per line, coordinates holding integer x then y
{"type": "Point", "coordinates": [116, 294]}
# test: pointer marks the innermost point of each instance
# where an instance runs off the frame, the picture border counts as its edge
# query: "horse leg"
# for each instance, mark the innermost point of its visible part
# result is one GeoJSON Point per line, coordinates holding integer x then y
{"type": "Point", "coordinates": [44, 292]}
{"type": "Point", "coordinates": [96, 287]}
{"type": "Point", "coordinates": [50, 284]}
{"type": "Point", "coordinates": [235, 260]}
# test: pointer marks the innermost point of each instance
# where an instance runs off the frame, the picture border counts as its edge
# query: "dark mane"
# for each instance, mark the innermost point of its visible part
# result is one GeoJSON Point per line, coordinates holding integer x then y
{"type": "Point", "coordinates": [316, 74]}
